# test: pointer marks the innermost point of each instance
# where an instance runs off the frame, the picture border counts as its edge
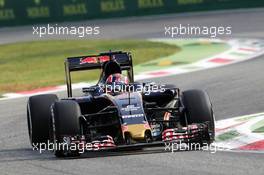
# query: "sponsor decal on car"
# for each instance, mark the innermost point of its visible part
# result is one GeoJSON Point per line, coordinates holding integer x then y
{"type": "Point", "coordinates": [130, 108]}
{"type": "Point", "coordinates": [94, 60]}
{"type": "Point", "coordinates": [88, 60]}
{"type": "Point", "coordinates": [132, 116]}
{"type": "Point", "coordinates": [103, 59]}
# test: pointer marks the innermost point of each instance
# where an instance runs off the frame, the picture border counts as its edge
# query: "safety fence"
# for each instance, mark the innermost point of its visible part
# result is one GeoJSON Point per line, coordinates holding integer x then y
{"type": "Point", "coordinates": [22, 12]}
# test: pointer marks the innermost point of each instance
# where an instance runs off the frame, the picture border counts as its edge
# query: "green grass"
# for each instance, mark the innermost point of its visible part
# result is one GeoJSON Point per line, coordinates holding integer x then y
{"type": "Point", "coordinates": [30, 65]}
{"type": "Point", "coordinates": [191, 51]}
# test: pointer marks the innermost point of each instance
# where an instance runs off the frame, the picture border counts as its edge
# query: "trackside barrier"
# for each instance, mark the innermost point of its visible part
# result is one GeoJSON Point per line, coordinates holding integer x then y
{"type": "Point", "coordinates": [23, 12]}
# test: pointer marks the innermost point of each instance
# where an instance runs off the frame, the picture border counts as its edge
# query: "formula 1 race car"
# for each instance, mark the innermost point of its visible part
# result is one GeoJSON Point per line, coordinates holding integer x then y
{"type": "Point", "coordinates": [117, 112]}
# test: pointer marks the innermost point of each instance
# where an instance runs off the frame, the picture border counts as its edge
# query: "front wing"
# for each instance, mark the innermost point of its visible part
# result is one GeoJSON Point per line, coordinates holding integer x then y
{"type": "Point", "coordinates": [190, 134]}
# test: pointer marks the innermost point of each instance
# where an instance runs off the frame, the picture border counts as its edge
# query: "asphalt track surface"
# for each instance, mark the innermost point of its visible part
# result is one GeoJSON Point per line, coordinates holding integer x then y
{"type": "Point", "coordinates": [235, 90]}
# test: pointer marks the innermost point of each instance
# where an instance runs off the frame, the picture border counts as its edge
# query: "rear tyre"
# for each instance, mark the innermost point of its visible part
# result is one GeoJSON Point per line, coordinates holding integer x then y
{"type": "Point", "coordinates": [199, 110]}
{"type": "Point", "coordinates": [66, 123]}
{"type": "Point", "coordinates": [38, 117]}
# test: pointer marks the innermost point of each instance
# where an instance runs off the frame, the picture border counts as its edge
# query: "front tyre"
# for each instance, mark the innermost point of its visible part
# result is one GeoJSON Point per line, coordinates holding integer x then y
{"type": "Point", "coordinates": [38, 117]}
{"type": "Point", "coordinates": [198, 108]}
{"type": "Point", "coordinates": [66, 124]}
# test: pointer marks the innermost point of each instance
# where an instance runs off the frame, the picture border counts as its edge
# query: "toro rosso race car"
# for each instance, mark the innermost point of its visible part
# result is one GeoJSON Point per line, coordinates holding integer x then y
{"type": "Point", "coordinates": [117, 112]}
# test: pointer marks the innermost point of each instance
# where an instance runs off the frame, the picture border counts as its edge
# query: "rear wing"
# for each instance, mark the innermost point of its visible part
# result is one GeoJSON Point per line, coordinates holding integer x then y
{"type": "Point", "coordinates": [81, 63]}
{"type": "Point", "coordinates": [96, 61]}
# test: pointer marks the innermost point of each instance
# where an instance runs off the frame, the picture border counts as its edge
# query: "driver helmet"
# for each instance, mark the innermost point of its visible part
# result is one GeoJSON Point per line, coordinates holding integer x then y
{"type": "Point", "coordinates": [117, 78]}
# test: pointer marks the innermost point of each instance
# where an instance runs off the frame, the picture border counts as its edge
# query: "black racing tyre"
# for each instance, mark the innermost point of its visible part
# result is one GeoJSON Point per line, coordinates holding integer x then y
{"type": "Point", "coordinates": [38, 117]}
{"type": "Point", "coordinates": [66, 122]}
{"type": "Point", "coordinates": [199, 109]}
